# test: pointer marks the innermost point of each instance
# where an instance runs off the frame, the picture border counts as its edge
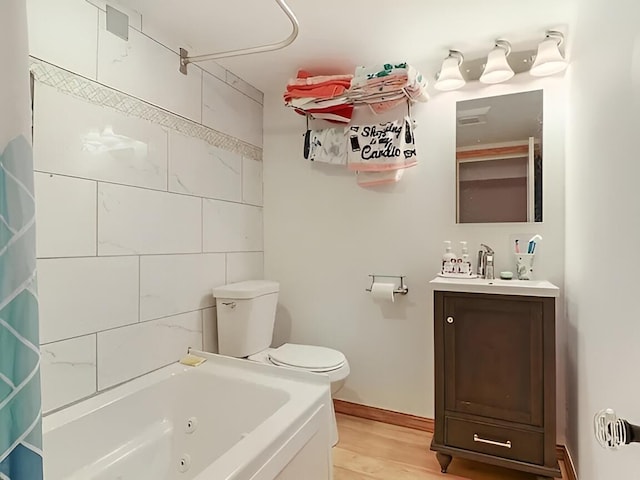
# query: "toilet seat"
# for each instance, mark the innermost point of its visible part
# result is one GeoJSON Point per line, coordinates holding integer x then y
{"type": "Point", "coordinates": [336, 375]}
{"type": "Point", "coordinates": [307, 357]}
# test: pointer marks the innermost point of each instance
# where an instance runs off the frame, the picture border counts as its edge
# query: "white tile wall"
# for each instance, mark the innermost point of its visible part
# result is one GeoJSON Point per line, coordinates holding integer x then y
{"type": "Point", "coordinates": [215, 69]}
{"type": "Point", "coordinates": [138, 221]}
{"type": "Point", "coordinates": [135, 18]}
{"type": "Point", "coordinates": [230, 111]}
{"type": "Point", "coordinates": [96, 142]}
{"type": "Point", "coordinates": [245, 266]}
{"type": "Point", "coordinates": [65, 216]}
{"type": "Point", "coordinates": [148, 70]}
{"type": "Point", "coordinates": [131, 351]}
{"type": "Point", "coordinates": [85, 295]}
{"type": "Point", "coordinates": [201, 169]}
{"type": "Point", "coordinates": [210, 330]}
{"type": "Point", "coordinates": [123, 218]}
{"type": "Point", "coordinates": [171, 284]}
{"type": "Point", "coordinates": [231, 227]}
{"type": "Point", "coordinates": [64, 32]}
{"type": "Point", "coordinates": [68, 371]}
{"type": "Point", "coordinates": [244, 87]}
{"type": "Point", "coordinates": [161, 35]}
{"type": "Point", "coordinates": [251, 181]}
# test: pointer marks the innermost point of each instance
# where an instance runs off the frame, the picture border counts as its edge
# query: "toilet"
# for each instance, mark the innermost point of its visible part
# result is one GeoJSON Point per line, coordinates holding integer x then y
{"type": "Point", "coordinates": [246, 316]}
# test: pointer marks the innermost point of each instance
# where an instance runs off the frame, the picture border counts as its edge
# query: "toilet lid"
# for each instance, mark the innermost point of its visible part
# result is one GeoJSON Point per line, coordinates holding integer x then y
{"type": "Point", "coordinates": [308, 357]}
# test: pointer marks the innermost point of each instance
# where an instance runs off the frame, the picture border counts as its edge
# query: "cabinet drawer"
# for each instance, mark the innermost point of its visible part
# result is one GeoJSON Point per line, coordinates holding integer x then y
{"type": "Point", "coordinates": [495, 440]}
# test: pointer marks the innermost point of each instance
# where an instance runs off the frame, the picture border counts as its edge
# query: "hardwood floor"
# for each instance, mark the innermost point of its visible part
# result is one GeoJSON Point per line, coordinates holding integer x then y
{"type": "Point", "coordinates": [370, 450]}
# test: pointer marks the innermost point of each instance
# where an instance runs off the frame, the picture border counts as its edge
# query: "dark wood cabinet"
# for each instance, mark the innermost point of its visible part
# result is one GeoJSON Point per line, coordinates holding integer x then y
{"type": "Point", "coordinates": [495, 380]}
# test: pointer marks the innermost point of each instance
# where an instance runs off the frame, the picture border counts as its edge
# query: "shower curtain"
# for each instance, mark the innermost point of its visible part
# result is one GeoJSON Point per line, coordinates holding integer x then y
{"type": "Point", "coordinates": [20, 410]}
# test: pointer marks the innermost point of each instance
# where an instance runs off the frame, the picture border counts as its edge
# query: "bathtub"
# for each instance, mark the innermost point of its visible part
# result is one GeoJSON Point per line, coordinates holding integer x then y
{"type": "Point", "coordinates": [225, 419]}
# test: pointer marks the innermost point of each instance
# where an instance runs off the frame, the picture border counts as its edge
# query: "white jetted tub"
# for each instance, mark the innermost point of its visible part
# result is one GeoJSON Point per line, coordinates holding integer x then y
{"type": "Point", "coordinates": [226, 419]}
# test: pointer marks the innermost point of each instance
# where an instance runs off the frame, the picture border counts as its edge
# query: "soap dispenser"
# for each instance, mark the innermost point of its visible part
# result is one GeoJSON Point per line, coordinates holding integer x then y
{"type": "Point", "coordinates": [448, 259]}
{"type": "Point", "coordinates": [465, 265]}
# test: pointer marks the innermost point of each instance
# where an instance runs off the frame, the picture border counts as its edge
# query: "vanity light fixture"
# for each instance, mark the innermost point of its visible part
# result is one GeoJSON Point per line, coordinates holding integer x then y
{"type": "Point", "coordinates": [549, 60]}
{"type": "Point", "coordinates": [497, 68]}
{"type": "Point", "coordinates": [450, 77]}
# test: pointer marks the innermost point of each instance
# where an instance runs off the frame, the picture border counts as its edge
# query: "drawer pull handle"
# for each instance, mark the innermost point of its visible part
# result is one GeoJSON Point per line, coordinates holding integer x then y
{"type": "Point", "coordinates": [449, 320]}
{"type": "Point", "coordinates": [476, 438]}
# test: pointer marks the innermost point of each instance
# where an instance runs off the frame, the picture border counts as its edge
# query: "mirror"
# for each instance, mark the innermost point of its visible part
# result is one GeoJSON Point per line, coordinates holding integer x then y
{"type": "Point", "coordinates": [499, 159]}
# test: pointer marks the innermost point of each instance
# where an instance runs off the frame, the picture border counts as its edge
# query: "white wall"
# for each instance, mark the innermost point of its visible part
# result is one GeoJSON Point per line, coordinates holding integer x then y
{"type": "Point", "coordinates": [131, 241]}
{"type": "Point", "coordinates": [324, 235]}
{"type": "Point", "coordinates": [603, 223]}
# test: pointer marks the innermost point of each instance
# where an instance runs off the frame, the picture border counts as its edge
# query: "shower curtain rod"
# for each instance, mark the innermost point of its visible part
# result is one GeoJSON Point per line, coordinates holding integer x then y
{"type": "Point", "coordinates": [185, 59]}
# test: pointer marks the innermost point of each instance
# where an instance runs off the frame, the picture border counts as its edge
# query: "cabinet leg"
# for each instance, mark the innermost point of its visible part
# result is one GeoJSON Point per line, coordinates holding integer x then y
{"type": "Point", "coordinates": [444, 460]}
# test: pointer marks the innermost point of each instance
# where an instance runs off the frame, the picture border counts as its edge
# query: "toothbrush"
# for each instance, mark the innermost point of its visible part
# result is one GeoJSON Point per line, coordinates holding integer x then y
{"type": "Point", "coordinates": [532, 244]}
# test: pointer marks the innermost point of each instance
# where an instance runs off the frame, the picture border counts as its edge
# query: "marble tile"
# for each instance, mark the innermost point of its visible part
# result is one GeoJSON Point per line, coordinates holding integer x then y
{"type": "Point", "coordinates": [65, 33]}
{"type": "Point", "coordinates": [201, 169]}
{"type": "Point", "coordinates": [245, 87]}
{"type": "Point", "coordinates": [251, 181]}
{"type": "Point", "coordinates": [210, 330]}
{"type": "Point", "coordinates": [78, 296]}
{"type": "Point", "coordinates": [171, 284]}
{"type": "Point", "coordinates": [138, 221]}
{"type": "Point", "coordinates": [231, 227]}
{"type": "Point", "coordinates": [230, 111]}
{"type": "Point", "coordinates": [148, 70]}
{"type": "Point", "coordinates": [245, 266]}
{"type": "Point", "coordinates": [65, 216]}
{"type": "Point", "coordinates": [67, 371]}
{"type": "Point", "coordinates": [96, 142]}
{"type": "Point", "coordinates": [215, 69]}
{"type": "Point", "coordinates": [131, 351]}
{"type": "Point", "coordinates": [160, 34]}
{"type": "Point", "coordinates": [135, 18]}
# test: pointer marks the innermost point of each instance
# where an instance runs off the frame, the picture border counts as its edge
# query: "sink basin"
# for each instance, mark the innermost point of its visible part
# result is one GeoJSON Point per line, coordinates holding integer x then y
{"type": "Point", "coordinates": [534, 288]}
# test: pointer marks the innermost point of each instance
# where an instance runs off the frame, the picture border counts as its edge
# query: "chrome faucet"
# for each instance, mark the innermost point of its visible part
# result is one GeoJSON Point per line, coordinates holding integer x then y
{"type": "Point", "coordinates": [485, 262]}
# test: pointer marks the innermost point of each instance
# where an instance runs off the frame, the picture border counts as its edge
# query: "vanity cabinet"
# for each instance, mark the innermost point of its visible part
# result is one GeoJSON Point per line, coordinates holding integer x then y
{"type": "Point", "coordinates": [495, 380]}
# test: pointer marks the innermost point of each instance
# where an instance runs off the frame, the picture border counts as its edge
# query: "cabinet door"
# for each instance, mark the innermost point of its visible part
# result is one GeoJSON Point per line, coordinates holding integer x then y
{"type": "Point", "coordinates": [493, 357]}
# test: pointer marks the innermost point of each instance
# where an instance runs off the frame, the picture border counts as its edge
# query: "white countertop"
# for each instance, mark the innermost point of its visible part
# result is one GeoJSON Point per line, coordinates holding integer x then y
{"type": "Point", "coordinates": [533, 288]}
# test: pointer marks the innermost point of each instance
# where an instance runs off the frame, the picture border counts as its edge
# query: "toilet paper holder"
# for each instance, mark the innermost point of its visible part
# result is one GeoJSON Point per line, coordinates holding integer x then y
{"type": "Point", "coordinates": [402, 289]}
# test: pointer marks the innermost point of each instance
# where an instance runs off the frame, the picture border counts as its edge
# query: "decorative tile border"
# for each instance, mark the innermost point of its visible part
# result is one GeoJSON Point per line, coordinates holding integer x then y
{"type": "Point", "coordinates": [96, 93]}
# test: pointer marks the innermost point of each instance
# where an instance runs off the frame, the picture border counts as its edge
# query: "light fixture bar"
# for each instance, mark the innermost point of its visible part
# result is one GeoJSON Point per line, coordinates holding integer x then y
{"type": "Point", "coordinates": [549, 60]}
{"type": "Point", "coordinates": [450, 77]}
{"type": "Point", "coordinates": [497, 68]}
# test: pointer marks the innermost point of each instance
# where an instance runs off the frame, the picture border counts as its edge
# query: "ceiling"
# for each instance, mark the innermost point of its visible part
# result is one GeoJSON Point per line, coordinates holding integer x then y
{"type": "Point", "coordinates": [336, 35]}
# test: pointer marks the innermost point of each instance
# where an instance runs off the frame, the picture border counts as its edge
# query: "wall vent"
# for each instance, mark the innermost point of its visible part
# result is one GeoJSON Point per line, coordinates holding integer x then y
{"type": "Point", "coordinates": [117, 23]}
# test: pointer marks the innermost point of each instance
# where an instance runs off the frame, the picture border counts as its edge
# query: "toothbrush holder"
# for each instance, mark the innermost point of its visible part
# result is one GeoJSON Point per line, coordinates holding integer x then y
{"type": "Point", "coordinates": [524, 266]}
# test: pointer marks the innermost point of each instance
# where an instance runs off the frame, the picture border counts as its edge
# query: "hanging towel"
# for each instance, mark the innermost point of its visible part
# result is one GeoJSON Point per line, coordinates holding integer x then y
{"type": "Point", "coordinates": [328, 145]}
{"type": "Point", "coordinates": [335, 114]}
{"type": "Point", "coordinates": [381, 147]}
{"type": "Point", "coordinates": [374, 179]}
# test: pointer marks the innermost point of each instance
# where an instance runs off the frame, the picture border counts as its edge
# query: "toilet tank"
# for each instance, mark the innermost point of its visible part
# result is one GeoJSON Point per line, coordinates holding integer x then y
{"type": "Point", "coordinates": [246, 315]}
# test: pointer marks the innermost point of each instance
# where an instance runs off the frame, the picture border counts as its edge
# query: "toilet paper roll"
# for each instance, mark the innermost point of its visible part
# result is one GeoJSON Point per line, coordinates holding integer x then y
{"type": "Point", "coordinates": [383, 291]}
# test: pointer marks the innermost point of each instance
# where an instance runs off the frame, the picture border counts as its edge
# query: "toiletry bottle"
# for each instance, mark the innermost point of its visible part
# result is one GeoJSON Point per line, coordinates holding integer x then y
{"type": "Point", "coordinates": [448, 259]}
{"type": "Point", "coordinates": [466, 264]}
